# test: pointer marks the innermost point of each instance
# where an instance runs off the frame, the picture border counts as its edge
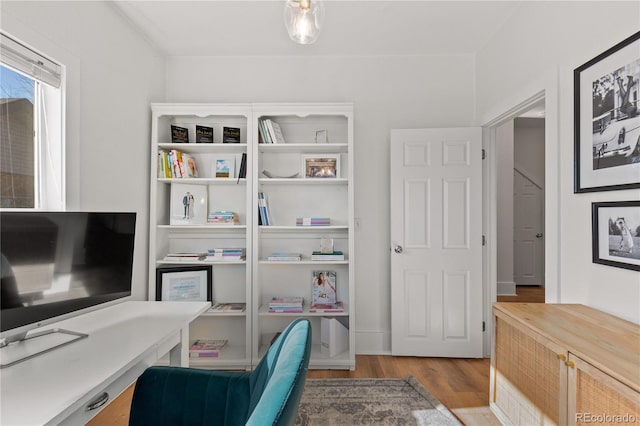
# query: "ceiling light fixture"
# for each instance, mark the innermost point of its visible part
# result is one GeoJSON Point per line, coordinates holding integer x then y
{"type": "Point", "coordinates": [303, 19]}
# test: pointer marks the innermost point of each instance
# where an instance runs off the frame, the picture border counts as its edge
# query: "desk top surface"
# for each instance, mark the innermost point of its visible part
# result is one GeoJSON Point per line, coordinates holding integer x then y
{"type": "Point", "coordinates": [40, 389]}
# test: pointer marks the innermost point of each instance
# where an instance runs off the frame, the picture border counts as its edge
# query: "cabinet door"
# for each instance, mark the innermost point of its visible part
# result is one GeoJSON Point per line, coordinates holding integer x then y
{"type": "Point", "coordinates": [528, 376]}
{"type": "Point", "coordinates": [596, 397]}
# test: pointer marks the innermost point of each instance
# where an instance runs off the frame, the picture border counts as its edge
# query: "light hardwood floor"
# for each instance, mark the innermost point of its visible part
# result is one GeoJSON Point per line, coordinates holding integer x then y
{"type": "Point", "coordinates": [462, 385]}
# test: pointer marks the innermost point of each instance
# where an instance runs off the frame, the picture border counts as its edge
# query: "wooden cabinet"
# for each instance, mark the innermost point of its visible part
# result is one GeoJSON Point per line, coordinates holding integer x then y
{"type": "Point", "coordinates": [564, 364]}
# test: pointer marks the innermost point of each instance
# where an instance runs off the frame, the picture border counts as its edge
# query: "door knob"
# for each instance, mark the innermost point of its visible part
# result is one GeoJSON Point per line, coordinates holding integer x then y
{"type": "Point", "coordinates": [539, 235]}
{"type": "Point", "coordinates": [398, 249]}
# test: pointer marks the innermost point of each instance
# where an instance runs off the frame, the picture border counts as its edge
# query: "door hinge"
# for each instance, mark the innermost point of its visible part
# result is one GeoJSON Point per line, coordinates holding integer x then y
{"type": "Point", "coordinates": [484, 240]}
{"type": "Point", "coordinates": [484, 154]}
{"type": "Point", "coordinates": [484, 326]}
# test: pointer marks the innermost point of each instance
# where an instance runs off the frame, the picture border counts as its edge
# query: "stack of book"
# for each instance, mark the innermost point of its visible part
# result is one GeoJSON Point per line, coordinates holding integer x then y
{"type": "Point", "coordinates": [176, 164]}
{"type": "Point", "coordinates": [313, 221]}
{"type": "Point", "coordinates": [327, 257]}
{"type": "Point", "coordinates": [206, 348]}
{"type": "Point", "coordinates": [291, 304]}
{"type": "Point", "coordinates": [285, 257]}
{"type": "Point", "coordinates": [226, 254]}
{"type": "Point", "coordinates": [327, 307]}
{"type": "Point", "coordinates": [228, 307]}
{"type": "Point", "coordinates": [269, 131]}
{"type": "Point", "coordinates": [223, 217]}
{"type": "Point", "coordinates": [185, 257]}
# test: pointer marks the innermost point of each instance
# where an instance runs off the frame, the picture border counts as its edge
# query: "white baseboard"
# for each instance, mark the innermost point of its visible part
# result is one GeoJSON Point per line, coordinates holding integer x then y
{"type": "Point", "coordinates": [373, 343]}
{"type": "Point", "coordinates": [506, 288]}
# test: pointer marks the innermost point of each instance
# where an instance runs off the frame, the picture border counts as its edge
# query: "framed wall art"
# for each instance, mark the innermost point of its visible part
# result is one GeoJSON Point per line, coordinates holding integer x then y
{"type": "Point", "coordinates": [184, 283]}
{"type": "Point", "coordinates": [616, 234]}
{"type": "Point", "coordinates": [321, 166]}
{"type": "Point", "coordinates": [607, 119]}
{"type": "Point", "coordinates": [188, 204]}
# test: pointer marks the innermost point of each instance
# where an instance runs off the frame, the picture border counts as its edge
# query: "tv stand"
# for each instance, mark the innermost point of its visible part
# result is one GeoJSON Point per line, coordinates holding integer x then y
{"type": "Point", "coordinates": [35, 344]}
{"type": "Point", "coordinates": [73, 383]}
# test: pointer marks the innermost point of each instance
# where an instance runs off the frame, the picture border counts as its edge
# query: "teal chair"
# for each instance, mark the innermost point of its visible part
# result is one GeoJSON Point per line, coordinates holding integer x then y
{"type": "Point", "coordinates": [269, 395]}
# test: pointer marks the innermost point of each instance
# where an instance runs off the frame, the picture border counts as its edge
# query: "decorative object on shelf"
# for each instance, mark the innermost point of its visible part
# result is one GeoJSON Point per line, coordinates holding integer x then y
{"type": "Point", "coordinates": [334, 336]}
{"type": "Point", "coordinates": [325, 166]}
{"type": "Point", "coordinates": [184, 283]}
{"type": "Point", "coordinates": [230, 135]}
{"type": "Point", "coordinates": [204, 134]}
{"type": "Point", "coordinates": [225, 167]}
{"type": "Point", "coordinates": [179, 134]}
{"type": "Point", "coordinates": [270, 175]}
{"type": "Point", "coordinates": [323, 287]}
{"type": "Point", "coordinates": [190, 166]}
{"type": "Point", "coordinates": [188, 204]}
{"type": "Point", "coordinates": [326, 245]}
{"type": "Point", "coordinates": [322, 136]}
{"type": "Point", "coordinates": [616, 234]}
{"type": "Point", "coordinates": [607, 119]}
{"type": "Point", "coordinates": [303, 20]}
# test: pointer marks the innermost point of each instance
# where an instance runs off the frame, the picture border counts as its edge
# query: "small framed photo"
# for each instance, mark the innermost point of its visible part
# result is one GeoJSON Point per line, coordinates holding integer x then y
{"type": "Point", "coordinates": [321, 166]}
{"type": "Point", "coordinates": [616, 234]}
{"type": "Point", "coordinates": [204, 134]}
{"type": "Point", "coordinates": [607, 119]}
{"type": "Point", "coordinates": [179, 134]}
{"type": "Point", "coordinates": [184, 283]}
{"type": "Point", "coordinates": [188, 204]}
{"type": "Point", "coordinates": [225, 167]}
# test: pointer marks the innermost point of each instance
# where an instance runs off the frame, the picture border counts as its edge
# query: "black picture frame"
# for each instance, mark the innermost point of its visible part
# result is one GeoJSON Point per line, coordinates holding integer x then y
{"type": "Point", "coordinates": [188, 280]}
{"type": "Point", "coordinates": [607, 119]}
{"type": "Point", "coordinates": [179, 134]}
{"type": "Point", "coordinates": [616, 234]}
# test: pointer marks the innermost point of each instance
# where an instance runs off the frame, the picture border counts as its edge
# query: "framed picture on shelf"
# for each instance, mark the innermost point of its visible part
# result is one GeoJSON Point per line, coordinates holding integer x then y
{"type": "Point", "coordinates": [188, 204]}
{"type": "Point", "coordinates": [230, 135]}
{"type": "Point", "coordinates": [616, 234]}
{"type": "Point", "coordinates": [323, 287]}
{"type": "Point", "coordinates": [179, 134]}
{"type": "Point", "coordinates": [225, 166]}
{"type": "Point", "coordinates": [607, 119]}
{"type": "Point", "coordinates": [184, 283]}
{"type": "Point", "coordinates": [321, 166]}
{"type": "Point", "coordinates": [204, 134]}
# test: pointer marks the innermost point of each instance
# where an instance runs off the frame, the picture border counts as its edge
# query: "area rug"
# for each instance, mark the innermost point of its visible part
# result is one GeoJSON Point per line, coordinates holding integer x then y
{"type": "Point", "coordinates": [344, 402]}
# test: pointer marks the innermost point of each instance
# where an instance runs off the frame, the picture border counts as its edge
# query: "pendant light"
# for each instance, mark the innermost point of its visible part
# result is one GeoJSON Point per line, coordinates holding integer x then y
{"type": "Point", "coordinates": [303, 19]}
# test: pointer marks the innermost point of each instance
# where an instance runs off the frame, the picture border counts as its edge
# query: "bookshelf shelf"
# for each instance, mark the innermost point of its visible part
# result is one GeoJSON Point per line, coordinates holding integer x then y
{"type": "Point", "coordinates": [204, 181]}
{"type": "Point", "coordinates": [304, 148]}
{"type": "Point", "coordinates": [204, 147]}
{"type": "Point", "coordinates": [264, 311]}
{"type": "Point", "coordinates": [204, 228]}
{"type": "Point", "coordinates": [202, 262]}
{"type": "Point", "coordinates": [303, 229]}
{"type": "Point", "coordinates": [303, 262]}
{"type": "Point", "coordinates": [301, 181]}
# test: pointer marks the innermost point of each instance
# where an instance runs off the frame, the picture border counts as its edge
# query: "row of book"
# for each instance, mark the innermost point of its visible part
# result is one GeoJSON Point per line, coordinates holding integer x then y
{"type": "Point", "coordinates": [313, 221]}
{"type": "Point", "coordinates": [176, 164]}
{"type": "Point", "coordinates": [223, 217]}
{"type": "Point", "coordinates": [206, 348]}
{"type": "Point", "coordinates": [269, 131]}
{"type": "Point", "coordinates": [263, 210]}
{"type": "Point", "coordinates": [288, 304]}
{"type": "Point", "coordinates": [316, 255]}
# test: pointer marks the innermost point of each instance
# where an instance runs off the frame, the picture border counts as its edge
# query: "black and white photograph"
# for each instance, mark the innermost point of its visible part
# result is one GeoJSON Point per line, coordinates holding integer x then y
{"type": "Point", "coordinates": [184, 283]}
{"type": "Point", "coordinates": [188, 204]}
{"type": "Point", "coordinates": [607, 119]}
{"type": "Point", "coordinates": [616, 234]}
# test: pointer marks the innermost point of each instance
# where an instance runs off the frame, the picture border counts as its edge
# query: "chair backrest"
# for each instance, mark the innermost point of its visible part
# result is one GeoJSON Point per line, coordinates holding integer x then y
{"type": "Point", "coordinates": [278, 380]}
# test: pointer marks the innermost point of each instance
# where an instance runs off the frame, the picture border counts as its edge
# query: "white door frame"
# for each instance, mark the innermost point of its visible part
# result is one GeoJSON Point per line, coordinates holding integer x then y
{"type": "Point", "coordinates": [546, 89]}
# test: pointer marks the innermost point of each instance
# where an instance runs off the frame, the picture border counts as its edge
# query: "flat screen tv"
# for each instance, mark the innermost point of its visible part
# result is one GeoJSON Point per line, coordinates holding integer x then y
{"type": "Point", "coordinates": [59, 264]}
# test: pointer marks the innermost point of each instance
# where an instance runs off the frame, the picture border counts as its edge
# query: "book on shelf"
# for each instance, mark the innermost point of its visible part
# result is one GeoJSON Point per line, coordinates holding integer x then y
{"type": "Point", "coordinates": [223, 217]}
{"type": "Point", "coordinates": [185, 257]}
{"type": "Point", "coordinates": [333, 256]}
{"type": "Point", "coordinates": [242, 173]}
{"type": "Point", "coordinates": [189, 165]}
{"type": "Point", "coordinates": [204, 134]}
{"type": "Point", "coordinates": [230, 135]}
{"type": "Point", "coordinates": [263, 135]}
{"type": "Point", "coordinates": [323, 287]}
{"type": "Point", "coordinates": [275, 132]}
{"type": "Point", "coordinates": [179, 134]}
{"type": "Point", "coordinates": [286, 304]}
{"type": "Point", "coordinates": [285, 257]}
{"type": "Point", "coordinates": [228, 307]}
{"type": "Point", "coordinates": [226, 254]}
{"type": "Point", "coordinates": [264, 209]}
{"type": "Point", "coordinates": [206, 348]}
{"type": "Point", "coordinates": [313, 221]}
{"type": "Point", "coordinates": [327, 307]}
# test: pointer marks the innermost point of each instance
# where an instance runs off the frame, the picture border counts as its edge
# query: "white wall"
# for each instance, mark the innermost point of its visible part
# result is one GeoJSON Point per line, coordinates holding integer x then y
{"type": "Point", "coordinates": [388, 92]}
{"type": "Point", "coordinates": [545, 39]}
{"type": "Point", "coordinates": [504, 200]}
{"type": "Point", "coordinates": [112, 76]}
{"type": "Point", "coordinates": [528, 148]}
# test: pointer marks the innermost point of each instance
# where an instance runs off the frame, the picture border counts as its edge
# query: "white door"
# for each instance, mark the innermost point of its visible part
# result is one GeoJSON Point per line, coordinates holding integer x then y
{"type": "Point", "coordinates": [436, 242]}
{"type": "Point", "coordinates": [528, 243]}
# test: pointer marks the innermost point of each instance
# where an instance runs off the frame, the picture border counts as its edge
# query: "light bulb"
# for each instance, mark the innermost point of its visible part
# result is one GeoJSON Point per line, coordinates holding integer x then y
{"type": "Point", "coordinates": [303, 19]}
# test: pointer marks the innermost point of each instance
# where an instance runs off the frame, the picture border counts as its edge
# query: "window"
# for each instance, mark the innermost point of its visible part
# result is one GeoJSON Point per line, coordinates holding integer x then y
{"type": "Point", "coordinates": [31, 129]}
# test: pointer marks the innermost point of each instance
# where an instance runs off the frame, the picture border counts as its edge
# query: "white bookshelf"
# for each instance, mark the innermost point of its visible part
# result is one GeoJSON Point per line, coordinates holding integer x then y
{"type": "Point", "coordinates": [231, 280]}
{"type": "Point", "coordinates": [289, 198]}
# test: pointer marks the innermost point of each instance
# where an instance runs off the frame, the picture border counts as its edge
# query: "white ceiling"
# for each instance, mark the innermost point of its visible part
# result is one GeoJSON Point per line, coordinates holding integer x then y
{"type": "Point", "coordinates": [239, 27]}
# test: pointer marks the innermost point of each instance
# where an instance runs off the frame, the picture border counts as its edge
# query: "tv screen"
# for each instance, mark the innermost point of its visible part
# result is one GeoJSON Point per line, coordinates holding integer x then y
{"type": "Point", "coordinates": [57, 263]}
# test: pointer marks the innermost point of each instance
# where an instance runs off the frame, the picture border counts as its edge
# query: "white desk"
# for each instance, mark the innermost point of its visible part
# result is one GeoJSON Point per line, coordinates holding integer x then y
{"type": "Point", "coordinates": [124, 339]}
